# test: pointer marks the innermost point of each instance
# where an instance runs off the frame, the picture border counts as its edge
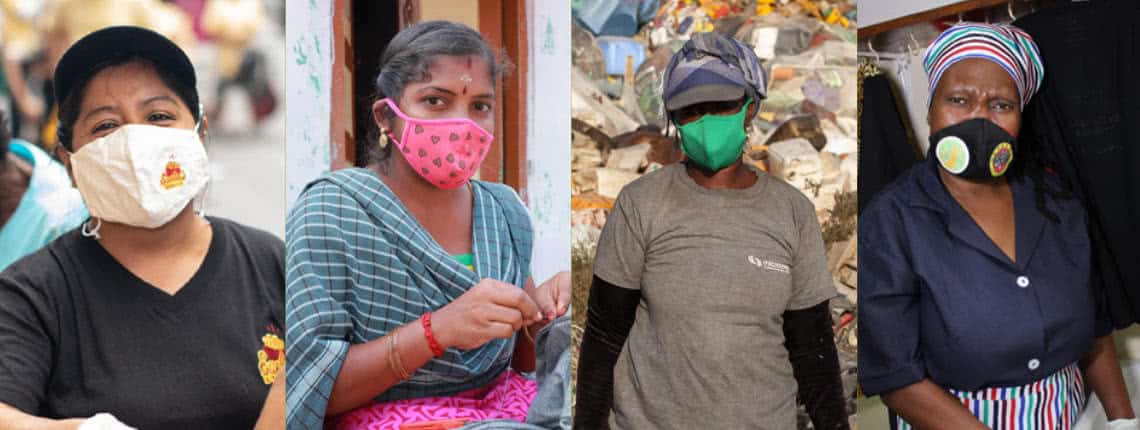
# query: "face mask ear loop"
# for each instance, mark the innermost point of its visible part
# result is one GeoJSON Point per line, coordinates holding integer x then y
{"type": "Point", "coordinates": [201, 118]}
{"type": "Point", "coordinates": [670, 124]}
{"type": "Point", "coordinates": [200, 201]}
{"type": "Point", "coordinates": [748, 119]}
{"type": "Point", "coordinates": [88, 231]}
{"type": "Point", "coordinates": [392, 132]}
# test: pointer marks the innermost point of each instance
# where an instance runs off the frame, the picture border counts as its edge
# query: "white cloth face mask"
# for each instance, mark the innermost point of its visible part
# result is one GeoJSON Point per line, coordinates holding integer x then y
{"type": "Point", "coordinates": [140, 175]}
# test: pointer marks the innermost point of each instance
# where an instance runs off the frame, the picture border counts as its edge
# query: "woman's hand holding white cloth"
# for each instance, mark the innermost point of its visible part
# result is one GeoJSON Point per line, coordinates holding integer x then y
{"type": "Point", "coordinates": [104, 421]}
{"type": "Point", "coordinates": [1124, 424]}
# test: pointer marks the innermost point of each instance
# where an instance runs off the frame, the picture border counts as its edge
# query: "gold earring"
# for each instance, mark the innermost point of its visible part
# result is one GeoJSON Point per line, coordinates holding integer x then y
{"type": "Point", "coordinates": [383, 138]}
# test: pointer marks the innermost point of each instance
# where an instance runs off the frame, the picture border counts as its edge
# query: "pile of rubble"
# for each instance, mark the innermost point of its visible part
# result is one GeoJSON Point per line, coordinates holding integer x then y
{"type": "Point", "coordinates": [805, 132]}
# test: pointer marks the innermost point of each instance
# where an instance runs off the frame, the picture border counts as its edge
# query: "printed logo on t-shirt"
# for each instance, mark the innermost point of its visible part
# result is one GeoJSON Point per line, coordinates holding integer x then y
{"type": "Point", "coordinates": [769, 264]}
{"type": "Point", "coordinates": [271, 356]}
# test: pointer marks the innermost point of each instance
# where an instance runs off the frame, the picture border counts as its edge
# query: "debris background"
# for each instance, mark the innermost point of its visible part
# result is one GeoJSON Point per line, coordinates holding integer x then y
{"type": "Point", "coordinates": [804, 134]}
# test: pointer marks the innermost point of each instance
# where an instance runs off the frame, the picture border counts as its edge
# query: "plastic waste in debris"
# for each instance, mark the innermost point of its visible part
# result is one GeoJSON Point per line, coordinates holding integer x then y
{"type": "Point", "coordinates": [585, 54]}
{"type": "Point", "coordinates": [794, 38]}
{"type": "Point", "coordinates": [614, 51]}
{"type": "Point", "coordinates": [823, 95]}
{"type": "Point", "coordinates": [716, 9]}
{"type": "Point", "coordinates": [763, 41]}
{"type": "Point", "coordinates": [796, 162]}
{"type": "Point", "coordinates": [592, 106]}
{"type": "Point", "coordinates": [628, 98]}
{"type": "Point", "coordinates": [647, 84]}
{"type": "Point", "coordinates": [764, 7]}
{"type": "Point", "coordinates": [613, 17]}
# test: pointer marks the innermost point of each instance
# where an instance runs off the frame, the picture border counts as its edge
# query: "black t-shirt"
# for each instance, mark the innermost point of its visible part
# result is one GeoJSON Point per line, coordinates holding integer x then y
{"type": "Point", "coordinates": [79, 334]}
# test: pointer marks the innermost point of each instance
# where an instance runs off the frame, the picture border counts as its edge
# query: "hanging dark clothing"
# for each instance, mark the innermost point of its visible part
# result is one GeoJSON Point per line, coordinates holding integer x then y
{"type": "Point", "coordinates": [885, 151]}
{"type": "Point", "coordinates": [1085, 122]}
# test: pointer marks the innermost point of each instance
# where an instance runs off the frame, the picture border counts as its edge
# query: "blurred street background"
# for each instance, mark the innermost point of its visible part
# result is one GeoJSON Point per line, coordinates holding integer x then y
{"type": "Point", "coordinates": [237, 47]}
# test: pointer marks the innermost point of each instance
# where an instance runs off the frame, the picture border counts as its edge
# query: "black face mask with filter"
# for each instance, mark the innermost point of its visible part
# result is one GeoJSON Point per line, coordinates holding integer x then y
{"type": "Point", "coordinates": [974, 149]}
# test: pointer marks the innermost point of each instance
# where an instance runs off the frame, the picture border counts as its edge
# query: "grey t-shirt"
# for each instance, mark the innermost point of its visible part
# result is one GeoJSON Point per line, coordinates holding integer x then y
{"type": "Point", "coordinates": [717, 269]}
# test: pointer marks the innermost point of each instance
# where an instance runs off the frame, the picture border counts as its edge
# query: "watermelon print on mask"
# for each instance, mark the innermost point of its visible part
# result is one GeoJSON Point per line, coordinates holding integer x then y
{"type": "Point", "coordinates": [445, 152]}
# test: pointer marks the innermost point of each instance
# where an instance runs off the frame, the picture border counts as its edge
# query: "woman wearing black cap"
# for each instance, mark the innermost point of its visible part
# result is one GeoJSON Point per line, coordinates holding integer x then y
{"type": "Point", "coordinates": [710, 291]}
{"type": "Point", "coordinates": [149, 314]}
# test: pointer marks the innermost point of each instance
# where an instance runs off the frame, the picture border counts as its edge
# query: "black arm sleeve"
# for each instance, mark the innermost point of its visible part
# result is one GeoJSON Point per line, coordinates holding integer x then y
{"type": "Point", "coordinates": [610, 315]}
{"type": "Point", "coordinates": [815, 365]}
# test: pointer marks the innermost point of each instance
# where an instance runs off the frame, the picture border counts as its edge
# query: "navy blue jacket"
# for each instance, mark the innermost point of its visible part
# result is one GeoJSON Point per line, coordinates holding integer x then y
{"type": "Point", "coordinates": [939, 300]}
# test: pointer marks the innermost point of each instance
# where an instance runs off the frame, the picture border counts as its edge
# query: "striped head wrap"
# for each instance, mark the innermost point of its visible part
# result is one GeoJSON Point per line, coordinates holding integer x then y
{"type": "Point", "coordinates": [1008, 46]}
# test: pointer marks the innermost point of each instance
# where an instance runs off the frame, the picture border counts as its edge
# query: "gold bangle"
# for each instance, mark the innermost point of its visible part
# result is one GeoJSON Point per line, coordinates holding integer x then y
{"type": "Point", "coordinates": [394, 360]}
{"type": "Point", "coordinates": [391, 358]}
{"type": "Point", "coordinates": [404, 374]}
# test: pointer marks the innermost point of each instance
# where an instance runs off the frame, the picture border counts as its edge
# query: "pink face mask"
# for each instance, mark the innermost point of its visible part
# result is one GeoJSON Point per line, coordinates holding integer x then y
{"type": "Point", "coordinates": [445, 152]}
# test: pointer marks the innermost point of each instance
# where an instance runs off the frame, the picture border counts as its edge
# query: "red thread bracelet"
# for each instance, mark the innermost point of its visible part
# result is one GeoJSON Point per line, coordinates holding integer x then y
{"type": "Point", "coordinates": [436, 349]}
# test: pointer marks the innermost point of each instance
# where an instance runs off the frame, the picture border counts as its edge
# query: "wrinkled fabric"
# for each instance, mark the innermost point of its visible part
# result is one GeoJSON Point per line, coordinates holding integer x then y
{"type": "Point", "coordinates": [503, 405]}
{"type": "Point", "coordinates": [359, 265]}
{"type": "Point", "coordinates": [50, 206]}
{"type": "Point", "coordinates": [141, 175]}
{"type": "Point", "coordinates": [1008, 46]}
{"type": "Point", "coordinates": [1054, 402]}
{"type": "Point", "coordinates": [920, 312]}
{"type": "Point", "coordinates": [885, 151]}
{"type": "Point", "coordinates": [508, 397]}
{"type": "Point", "coordinates": [1086, 120]}
{"type": "Point", "coordinates": [445, 152]}
{"type": "Point", "coordinates": [551, 406]}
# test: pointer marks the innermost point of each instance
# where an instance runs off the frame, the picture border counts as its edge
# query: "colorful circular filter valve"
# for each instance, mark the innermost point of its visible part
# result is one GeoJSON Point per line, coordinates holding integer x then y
{"type": "Point", "coordinates": [1000, 159]}
{"type": "Point", "coordinates": [953, 154]}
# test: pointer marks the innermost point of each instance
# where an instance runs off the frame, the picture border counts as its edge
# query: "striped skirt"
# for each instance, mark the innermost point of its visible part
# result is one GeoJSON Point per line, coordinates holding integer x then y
{"type": "Point", "coordinates": [1052, 403]}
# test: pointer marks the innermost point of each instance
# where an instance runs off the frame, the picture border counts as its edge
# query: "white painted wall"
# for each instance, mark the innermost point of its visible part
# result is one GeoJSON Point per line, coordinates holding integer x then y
{"type": "Point", "coordinates": [872, 12]}
{"type": "Point", "coordinates": [548, 135]}
{"type": "Point", "coordinates": [308, 76]}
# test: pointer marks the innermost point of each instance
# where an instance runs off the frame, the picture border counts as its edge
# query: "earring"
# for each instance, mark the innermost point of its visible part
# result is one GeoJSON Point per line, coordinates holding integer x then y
{"type": "Point", "coordinates": [383, 138]}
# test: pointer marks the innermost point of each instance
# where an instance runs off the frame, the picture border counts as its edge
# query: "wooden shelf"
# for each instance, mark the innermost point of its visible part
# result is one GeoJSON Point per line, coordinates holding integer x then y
{"type": "Point", "coordinates": [929, 15]}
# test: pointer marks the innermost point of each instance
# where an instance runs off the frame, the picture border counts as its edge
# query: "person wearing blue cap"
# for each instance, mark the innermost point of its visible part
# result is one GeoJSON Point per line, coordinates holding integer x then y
{"type": "Point", "coordinates": [710, 290]}
{"type": "Point", "coordinates": [977, 305]}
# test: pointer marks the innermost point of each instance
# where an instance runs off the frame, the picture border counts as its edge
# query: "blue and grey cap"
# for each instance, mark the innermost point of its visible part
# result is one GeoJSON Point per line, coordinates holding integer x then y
{"type": "Point", "coordinates": [711, 67]}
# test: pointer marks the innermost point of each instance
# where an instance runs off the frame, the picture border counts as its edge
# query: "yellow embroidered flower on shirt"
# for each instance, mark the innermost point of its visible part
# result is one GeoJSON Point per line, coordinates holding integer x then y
{"type": "Point", "coordinates": [271, 357]}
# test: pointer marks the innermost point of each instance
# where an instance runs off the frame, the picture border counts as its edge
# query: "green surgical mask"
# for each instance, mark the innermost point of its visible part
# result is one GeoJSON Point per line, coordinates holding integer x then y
{"type": "Point", "coordinates": [715, 141]}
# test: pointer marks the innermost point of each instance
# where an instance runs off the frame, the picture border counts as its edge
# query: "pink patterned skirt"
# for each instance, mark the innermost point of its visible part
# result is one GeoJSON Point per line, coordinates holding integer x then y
{"type": "Point", "coordinates": [507, 397]}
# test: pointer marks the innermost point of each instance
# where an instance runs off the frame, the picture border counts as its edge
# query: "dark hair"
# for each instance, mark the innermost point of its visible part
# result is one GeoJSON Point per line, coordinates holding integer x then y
{"type": "Point", "coordinates": [69, 108]}
{"type": "Point", "coordinates": [407, 58]}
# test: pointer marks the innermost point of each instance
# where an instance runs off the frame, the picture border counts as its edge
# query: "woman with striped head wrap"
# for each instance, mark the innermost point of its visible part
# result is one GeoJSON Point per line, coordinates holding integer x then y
{"type": "Point", "coordinates": [977, 308]}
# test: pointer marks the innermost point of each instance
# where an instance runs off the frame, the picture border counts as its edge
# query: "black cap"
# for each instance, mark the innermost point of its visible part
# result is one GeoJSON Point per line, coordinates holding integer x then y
{"type": "Point", "coordinates": [115, 43]}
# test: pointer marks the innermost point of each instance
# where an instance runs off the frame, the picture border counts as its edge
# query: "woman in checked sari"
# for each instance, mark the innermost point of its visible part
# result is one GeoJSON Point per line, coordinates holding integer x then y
{"type": "Point", "coordinates": [409, 291]}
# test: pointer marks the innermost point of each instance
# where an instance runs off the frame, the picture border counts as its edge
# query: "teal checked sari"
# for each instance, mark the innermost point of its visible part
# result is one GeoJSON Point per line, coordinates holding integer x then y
{"type": "Point", "coordinates": [359, 265]}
